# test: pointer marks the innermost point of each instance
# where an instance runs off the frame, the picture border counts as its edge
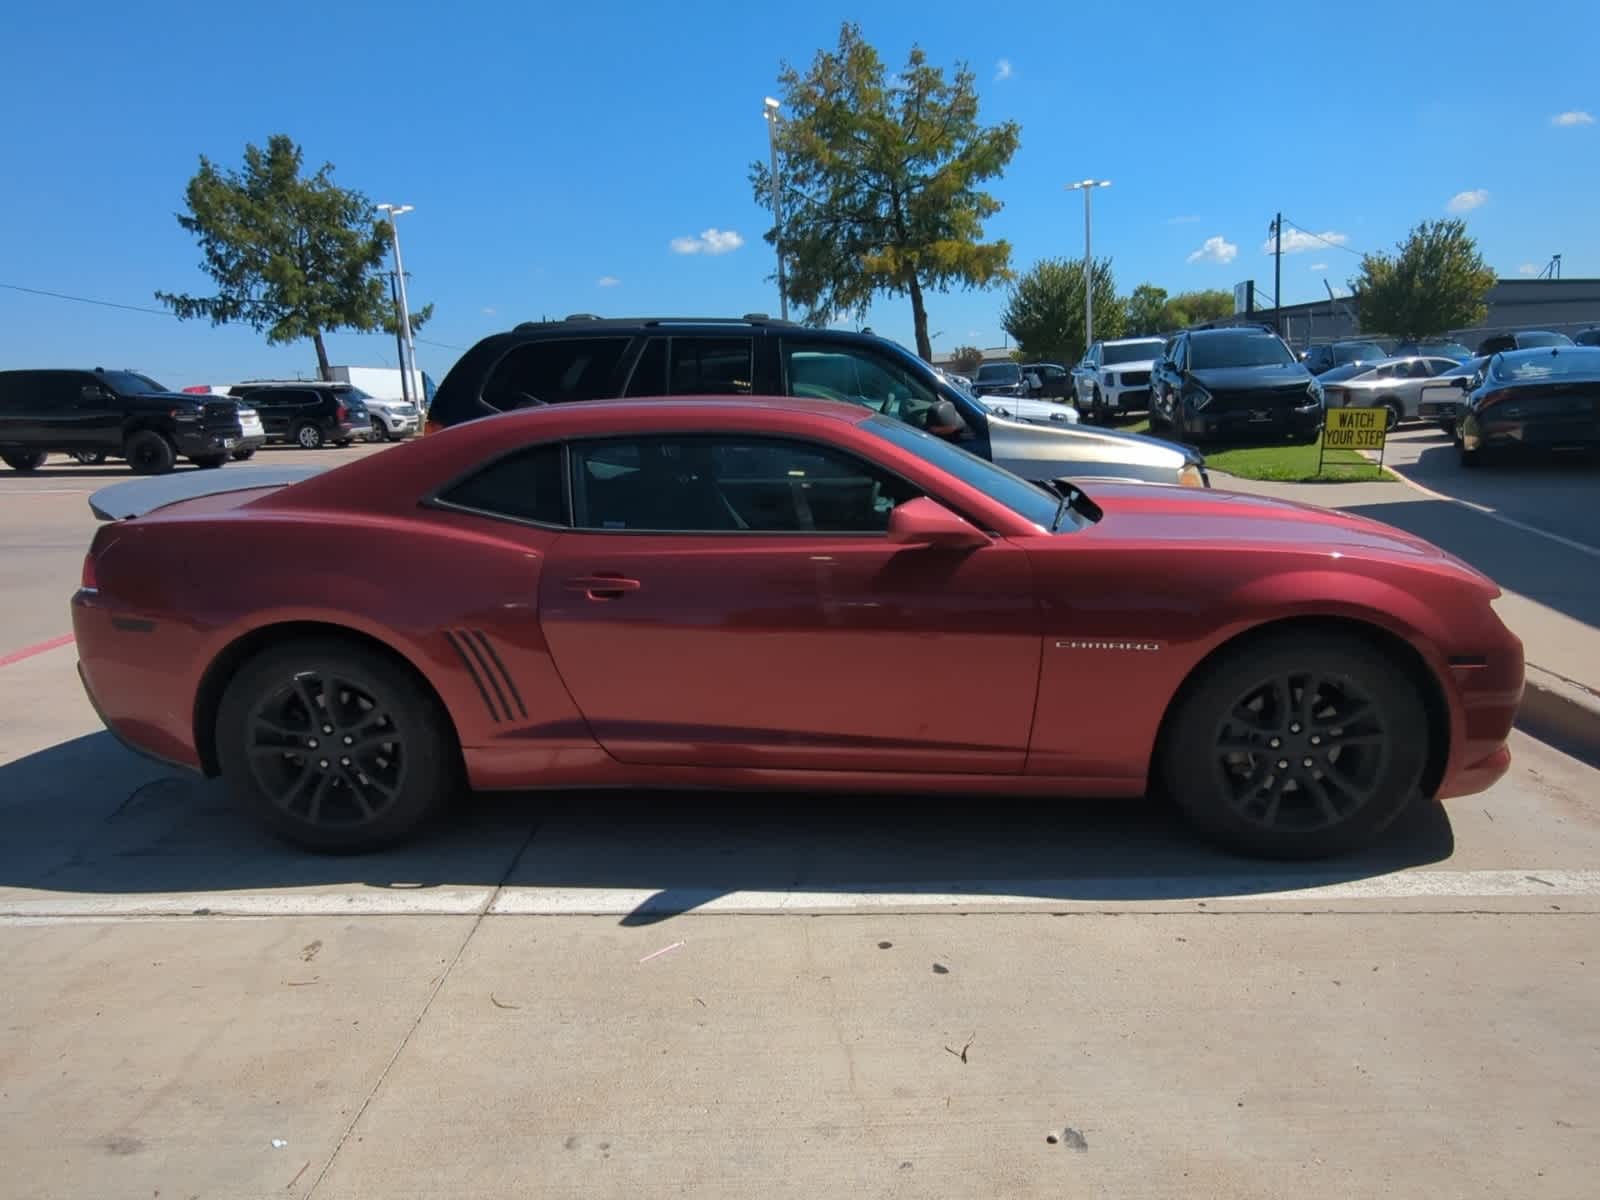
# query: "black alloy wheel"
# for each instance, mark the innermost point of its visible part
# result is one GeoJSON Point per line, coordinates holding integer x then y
{"type": "Point", "coordinates": [148, 453]}
{"type": "Point", "coordinates": [1297, 745]}
{"type": "Point", "coordinates": [335, 747]}
{"type": "Point", "coordinates": [23, 460]}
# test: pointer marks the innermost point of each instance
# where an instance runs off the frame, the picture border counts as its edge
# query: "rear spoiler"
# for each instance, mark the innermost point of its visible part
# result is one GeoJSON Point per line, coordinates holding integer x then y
{"type": "Point", "coordinates": [123, 501]}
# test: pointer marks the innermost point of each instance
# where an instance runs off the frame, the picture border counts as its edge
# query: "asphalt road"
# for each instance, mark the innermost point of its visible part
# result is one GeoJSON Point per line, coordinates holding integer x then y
{"type": "Point", "coordinates": [639, 994]}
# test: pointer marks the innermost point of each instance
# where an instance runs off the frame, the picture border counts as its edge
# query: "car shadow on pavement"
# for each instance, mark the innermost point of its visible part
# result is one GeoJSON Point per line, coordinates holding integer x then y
{"type": "Point", "coordinates": [1530, 566]}
{"type": "Point", "coordinates": [89, 817]}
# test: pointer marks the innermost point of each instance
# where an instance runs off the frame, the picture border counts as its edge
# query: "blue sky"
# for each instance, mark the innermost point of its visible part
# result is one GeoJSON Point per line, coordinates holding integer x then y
{"type": "Point", "coordinates": [554, 153]}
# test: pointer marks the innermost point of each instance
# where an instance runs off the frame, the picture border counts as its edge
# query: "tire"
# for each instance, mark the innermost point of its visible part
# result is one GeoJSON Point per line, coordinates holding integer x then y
{"type": "Point", "coordinates": [404, 780]}
{"type": "Point", "coordinates": [89, 458]}
{"type": "Point", "coordinates": [1359, 781]}
{"type": "Point", "coordinates": [309, 437]}
{"type": "Point", "coordinates": [1396, 414]}
{"type": "Point", "coordinates": [208, 461]}
{"type": "Point", "coordinates": [343, 442]}
{"type": "Point", "coordinates": [25, 461]}
{"type": "Point", "coordinates": [1097, 403]}
{"type": "Point", "coordinates": [243, 455]}
{"type": "Point", "coordinates": [148, 453]}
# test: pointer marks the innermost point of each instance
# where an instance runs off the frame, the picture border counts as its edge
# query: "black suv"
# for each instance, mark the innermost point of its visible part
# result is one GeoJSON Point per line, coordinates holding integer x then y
{"type": "Point", "coordinates": [308, 415]}
{"type": "Point", "coordinates": [586, 358]}
{"type": "Point", "coordinates": [1237, 383]}
{"type": "Point", "coordinates": [93, 414]}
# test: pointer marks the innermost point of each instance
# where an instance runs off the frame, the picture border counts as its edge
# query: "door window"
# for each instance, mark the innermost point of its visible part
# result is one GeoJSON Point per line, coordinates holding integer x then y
{"type": "Point", "coordinates": [524, 486]}
{"type": "Point", "coordinates": [729, 484]}
{"type": "Point", "coordinates": [554, 372]}
{"type": "Point", "coordinates": [650, 372]}
{"type": "Point", "coordinates": [857, 377]}
{"type": "Point", "coordinates": [720, 366]}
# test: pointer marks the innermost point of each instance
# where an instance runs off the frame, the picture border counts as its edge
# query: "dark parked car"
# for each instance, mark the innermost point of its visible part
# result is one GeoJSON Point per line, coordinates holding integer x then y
{"type": "Point", "coordinates": [586, 358]}
{"type": "Point", "coordinates": [1522, 339]}
{"type": "Point", "coordinates": [97, 414]}
{"type": "Point", "coordinates": [1339, 354]}
{"type": "Point", "coordinates": [309, 415]}
{"type": "Point", "coordinates": [1047, 381]}
{"type": "Point", "coordinates": [999, 379]}
{"type": "Point", "coordinates": [1544, 399]}
{"type": "Point", "coordinates": [1243, 383]}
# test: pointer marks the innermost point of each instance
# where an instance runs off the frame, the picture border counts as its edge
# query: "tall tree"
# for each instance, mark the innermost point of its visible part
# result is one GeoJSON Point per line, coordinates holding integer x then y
{"type": "Point", "coordinates": [1145, 304]}
{"type": "Point", "coordinates": [293, 256]}
{"type": "Point", "coordinates": [1434, 283]}
{"type": "Point", "coordinates": [879, 183]}
{"type": "Point", "coordinates": [1192, 308]}
{"type": "Point", "coordinates": [966, 359]}
{"type": "Point", "coordinates": [1044, 311]}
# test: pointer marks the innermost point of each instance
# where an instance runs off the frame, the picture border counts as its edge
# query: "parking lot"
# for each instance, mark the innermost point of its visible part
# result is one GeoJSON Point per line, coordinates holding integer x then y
{"type": "Point", "coordinates": [620, 995]}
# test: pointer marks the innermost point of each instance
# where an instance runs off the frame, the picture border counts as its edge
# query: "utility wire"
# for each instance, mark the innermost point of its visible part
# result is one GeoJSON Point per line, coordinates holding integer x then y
{"type": "Point", "coordinates": [1325, 241]}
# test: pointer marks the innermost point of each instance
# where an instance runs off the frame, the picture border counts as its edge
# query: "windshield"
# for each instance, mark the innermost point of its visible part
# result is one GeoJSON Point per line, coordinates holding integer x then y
{"type": "Point", "coordinates": [1349, 352]}
{"type": "Point", "coordinates": [1028, 500]}
{"type": "Point", "coordinates": [1238, 350]}
{"type": "Point", "coordinates": [1123, 352]}
{"type": "Point", "coordinates": [1580, 362]}
{"type": "Point", "coordinates": [1348, 371]}
{"type": "Point", "coordinates": [1527, 341]}
{"type": "Point", "coordinates": [128, 383]}
{"type": "Point", "coordinates": [998, 373]}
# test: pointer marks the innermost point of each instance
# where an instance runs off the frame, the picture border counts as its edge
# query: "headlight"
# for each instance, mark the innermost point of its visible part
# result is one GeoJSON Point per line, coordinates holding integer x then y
{"type": "Point", "coordinates": [1314, 397]}
{"type": "Point", "coordinates": [1193, 475]}
{"type": "Point", "coordinates": [1196, 397]}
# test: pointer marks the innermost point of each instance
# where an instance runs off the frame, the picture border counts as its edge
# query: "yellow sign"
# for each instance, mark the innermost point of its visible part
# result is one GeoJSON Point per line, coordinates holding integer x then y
{"type": "Point", "coordinates": [1355, 428]}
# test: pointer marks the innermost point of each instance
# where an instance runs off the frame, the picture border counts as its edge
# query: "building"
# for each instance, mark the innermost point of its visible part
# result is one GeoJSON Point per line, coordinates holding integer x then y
{"type": "Point", "coordinates": [1561, 305]}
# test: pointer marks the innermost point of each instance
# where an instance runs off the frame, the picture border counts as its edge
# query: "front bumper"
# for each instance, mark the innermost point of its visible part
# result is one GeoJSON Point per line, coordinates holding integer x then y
{"type": "Point", "coordinates": [207, 441]}
{"type": "Point", "coordinates": [388, 424]}
{"type": "Point", "coordinates": [1253, 423]}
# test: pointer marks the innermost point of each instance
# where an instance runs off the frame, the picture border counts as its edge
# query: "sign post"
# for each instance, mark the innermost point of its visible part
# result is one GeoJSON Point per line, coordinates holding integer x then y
{"type": "Point", "coordinates": [1354, 429]}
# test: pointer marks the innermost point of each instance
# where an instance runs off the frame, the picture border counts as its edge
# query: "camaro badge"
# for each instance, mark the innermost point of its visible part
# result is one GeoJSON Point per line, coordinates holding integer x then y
{"type": "Point", "coordinates": [1143, 647]}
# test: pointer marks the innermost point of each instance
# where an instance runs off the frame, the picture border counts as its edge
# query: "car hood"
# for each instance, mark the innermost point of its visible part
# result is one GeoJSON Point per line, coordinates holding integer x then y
{"type": "Point", "coordinates": [1252, 377]}
{"type": "Point", "coordinates": [1232, 519]}
{"type": "Point", "coordinates": [1135, 364]}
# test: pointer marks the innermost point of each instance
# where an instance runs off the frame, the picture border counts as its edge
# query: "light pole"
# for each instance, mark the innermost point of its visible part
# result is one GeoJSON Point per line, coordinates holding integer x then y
{"type": "Point", "coordinates": [769, 110]}
{"type": "Point", "coordinates": [1087, 186]}
{"type": "Point", "coordinates": [410, 356]}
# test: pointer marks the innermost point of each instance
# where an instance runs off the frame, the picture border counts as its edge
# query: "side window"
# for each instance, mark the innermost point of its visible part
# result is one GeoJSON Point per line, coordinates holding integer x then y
{"type": "Point", "coordinates": [729, 484]}
{"type": "Point", "coordinates": [650, 372]}
{"type": "Point", "coordinates": [58, 390]}
{"type": "Point", "coordinates": [554, 372]}
{"type": "Point", "coordinates": [1180, 353]}
{"type": "Point", "coordinates": [856, 377]}
{"type": "Point", "coordinates": [712, 366]}
{"type": "Point", "coordinates": [525, 486]}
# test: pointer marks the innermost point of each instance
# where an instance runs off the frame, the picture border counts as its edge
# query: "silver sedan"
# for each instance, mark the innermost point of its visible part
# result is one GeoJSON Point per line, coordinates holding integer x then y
{"type": "Point", "coordinates": [1392, 383]}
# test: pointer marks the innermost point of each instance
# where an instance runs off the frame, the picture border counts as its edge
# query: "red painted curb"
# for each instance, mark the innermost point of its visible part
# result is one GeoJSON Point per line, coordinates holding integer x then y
{"type": "Point", "coordinates": [29, 651]}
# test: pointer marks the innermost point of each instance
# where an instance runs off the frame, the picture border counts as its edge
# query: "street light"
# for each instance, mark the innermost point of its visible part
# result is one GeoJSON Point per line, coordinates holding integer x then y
{"type": "Point", "coordinates": [769, 111]}
{"type": "Point", "coordinates": [409, 357]}
{"type": "Point", "coordinates": [1087, 186]}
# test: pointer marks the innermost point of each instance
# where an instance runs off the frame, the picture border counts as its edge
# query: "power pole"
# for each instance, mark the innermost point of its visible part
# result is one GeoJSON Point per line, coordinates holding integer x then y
{"type": "Point", "coordinates": [1277, 273]}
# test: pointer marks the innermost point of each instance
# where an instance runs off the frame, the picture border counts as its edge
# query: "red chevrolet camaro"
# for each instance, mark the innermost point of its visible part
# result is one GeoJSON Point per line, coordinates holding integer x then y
{"type": "Point", "coordinates": [781, 594]}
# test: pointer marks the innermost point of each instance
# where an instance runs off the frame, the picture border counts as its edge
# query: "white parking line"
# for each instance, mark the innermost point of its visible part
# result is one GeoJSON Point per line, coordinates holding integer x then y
{"type": "Point", "coordinates": [1485, 510]}
{"type": "Point", "coordinates": [1308, 888]}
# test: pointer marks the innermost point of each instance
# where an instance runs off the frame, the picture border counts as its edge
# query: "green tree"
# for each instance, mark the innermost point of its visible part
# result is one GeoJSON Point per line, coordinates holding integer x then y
{"type": "Point", "coordinates": [1044, 311]}
{"type": "Point", "coordinates": [966, 359]}
{"type": "Point", "coordinates": [1436, 282]}
{"type": "Point", "coordinates": [879, 178]}
{"type": "Point", "coordinates": [293, 256]}
{"type": "Point", "coordinates": [1144, 306]}
{"type": "Point", "coordinates": [1193, 308]}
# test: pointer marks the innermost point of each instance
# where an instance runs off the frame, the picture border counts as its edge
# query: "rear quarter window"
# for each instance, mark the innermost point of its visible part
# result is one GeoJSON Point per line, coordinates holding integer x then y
{"type": "Point", "coordinates": [555, 371]}
{"type": "Point", "coordinates": [526, 485]}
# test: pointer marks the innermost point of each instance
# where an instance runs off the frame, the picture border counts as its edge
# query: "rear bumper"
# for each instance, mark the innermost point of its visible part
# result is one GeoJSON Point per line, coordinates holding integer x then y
{"type": "Point", "coordinates": [1554, 433]}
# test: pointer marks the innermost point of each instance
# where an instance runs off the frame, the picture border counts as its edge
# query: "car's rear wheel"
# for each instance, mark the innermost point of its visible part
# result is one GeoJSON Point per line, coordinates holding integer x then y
{"type": "Point", "coordinates": [335, 747]}
{"type": "Point", "coordinates": [1297, 746]}
{"type": "Point", "coordinates": [89, 458]}
{"type": "Point", "coordinates": [243, 455]}
{"type": "Point", "coordinates": [308, 437]}
{"type": "Point", "coordinates": [23, 460]}
{"type": "Point", "coordinates": [148, 453]}
{"type": "Point", "coordinates": [1394, 413]}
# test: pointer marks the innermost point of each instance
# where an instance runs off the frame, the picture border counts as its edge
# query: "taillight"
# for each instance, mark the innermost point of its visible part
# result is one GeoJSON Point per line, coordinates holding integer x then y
{"type": "Point", "coordinates": [87, 580]}
{"type": "Point", "coordinates": [343, 414]}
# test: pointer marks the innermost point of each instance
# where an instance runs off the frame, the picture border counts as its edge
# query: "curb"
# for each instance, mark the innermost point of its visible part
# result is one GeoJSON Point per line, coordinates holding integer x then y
{"type": "Point", "coordinates": [1561, 713]}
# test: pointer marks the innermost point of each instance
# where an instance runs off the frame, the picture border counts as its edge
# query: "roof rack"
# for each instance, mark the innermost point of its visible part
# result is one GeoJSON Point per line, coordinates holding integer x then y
{"type": "Point", "coordinates": [749, 319]}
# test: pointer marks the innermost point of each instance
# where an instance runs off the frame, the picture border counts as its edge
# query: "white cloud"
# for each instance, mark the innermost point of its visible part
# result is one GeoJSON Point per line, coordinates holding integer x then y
{"type": "Point", "coordinates": [1215, 250]}
{"type": "Point", "coordinates": [712, 241]}
{"type": "Point", "coordinates": [488, 312]}
{"type": "Point", "coordinates": [1574, 116]}
{"type": "Point", "coordinates": [1296, 242]}
{"type": "Point", "coordinates": [1319, 266]}
{"type": "Point", "coordinates": [1002, 70]}
{"type": "Point", "coordinates": [607, 281]}
{"type": "Point", "coordinates": [1528, 269]}
{"type": "Point", "coordinates": [1182, 220]}
{"type": "Point", "coordinates": [1467, 201]}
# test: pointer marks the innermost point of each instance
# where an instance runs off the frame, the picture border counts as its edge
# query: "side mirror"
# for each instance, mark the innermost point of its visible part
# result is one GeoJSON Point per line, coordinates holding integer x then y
{"type": "Point", "coordinates": [944, 420]}
{"type": "Point", "coordinates": [925, 522]}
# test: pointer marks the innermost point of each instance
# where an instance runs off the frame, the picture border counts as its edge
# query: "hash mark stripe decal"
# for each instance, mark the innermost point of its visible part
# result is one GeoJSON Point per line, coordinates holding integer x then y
{"type": "Point", "coordinates": [488, 672]}
{"type": "Point", "coordinates": [488, 647]}
{"type": "Point", "coordinates": [472, 671]}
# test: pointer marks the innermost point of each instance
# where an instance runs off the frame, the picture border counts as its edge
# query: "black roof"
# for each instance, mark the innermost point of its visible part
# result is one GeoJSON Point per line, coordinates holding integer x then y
{"type": "Point", "coordinates": [589, 320]}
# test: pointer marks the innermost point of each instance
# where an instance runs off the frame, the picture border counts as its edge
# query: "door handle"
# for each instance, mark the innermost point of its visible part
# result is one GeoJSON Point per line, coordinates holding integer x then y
{"type": "Point", "coordinates": [603, 586]}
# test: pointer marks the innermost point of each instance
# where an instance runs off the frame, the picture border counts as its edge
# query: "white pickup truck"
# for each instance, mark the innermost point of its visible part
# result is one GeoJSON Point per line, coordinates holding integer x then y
{"type": "Point", "coordinates": [1114, 377]}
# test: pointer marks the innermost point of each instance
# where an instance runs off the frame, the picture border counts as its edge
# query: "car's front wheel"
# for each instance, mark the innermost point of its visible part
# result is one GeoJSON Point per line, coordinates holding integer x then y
{"type": "Point", "coordinates": [309, 437]}
{"type": "Point", "coordinates": [243, 455]}
{"type": "Point", "coordinates": [335, 747]}
{"type": "Point", "coordinates": [1296, 746]}
{"type": "Point", "coordinates": [23, 460]}
{"type": "Point", "coordinates": [208, 461]}
{"type": "Point", "coordinates": [148, 453]}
